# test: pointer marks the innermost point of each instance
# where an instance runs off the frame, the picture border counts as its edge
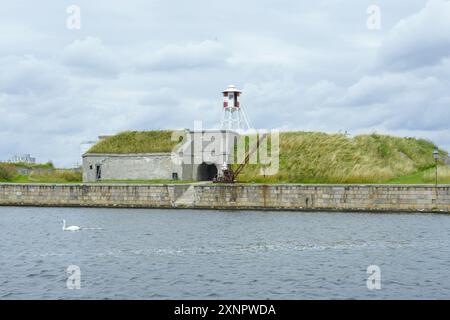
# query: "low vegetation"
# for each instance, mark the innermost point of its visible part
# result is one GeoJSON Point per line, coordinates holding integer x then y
{"type": "Point", "coordinates": [48, 165]}
{"type": "Point", "coordinates": [312, 157]}
{"type": "Point", "coordinates": [162, 181]}
{"type": "Point", "coordinates": [443, 173]}
{"type": "Point", "coordinates": [305, 157]}
{"type": "Point", "coordinates": [9, 173]}
{"type": "Point", "coordinates": [136, 142]}
{"type": "Point", "coordinates": [57, 176]}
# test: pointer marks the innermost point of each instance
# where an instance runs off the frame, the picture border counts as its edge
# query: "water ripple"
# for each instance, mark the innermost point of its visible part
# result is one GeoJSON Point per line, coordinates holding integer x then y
{"type": "Point", "coordinates": [162, 254]}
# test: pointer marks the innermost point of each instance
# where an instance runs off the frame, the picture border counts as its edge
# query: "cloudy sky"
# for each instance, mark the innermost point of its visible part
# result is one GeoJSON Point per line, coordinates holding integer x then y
{"type": "Point", "coordinates": [147, 64]}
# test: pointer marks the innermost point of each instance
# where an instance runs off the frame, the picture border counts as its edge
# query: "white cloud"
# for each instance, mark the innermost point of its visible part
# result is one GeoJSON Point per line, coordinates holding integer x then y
{"type": "Point", "coordinates": [90, 56]}
{"type": "Point", "coordinates": [28, 76]}
{"type": "Point", "coordinates": [192, 55]}
{"type": "Point", "coordinates": [419, 40]}
{"type": "Point", "coordinates": [301, 65]}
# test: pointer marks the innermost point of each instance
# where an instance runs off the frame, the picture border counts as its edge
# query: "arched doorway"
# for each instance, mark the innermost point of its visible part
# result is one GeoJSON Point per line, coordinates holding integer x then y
{"type": "Point", "coordinates": [206, 172]}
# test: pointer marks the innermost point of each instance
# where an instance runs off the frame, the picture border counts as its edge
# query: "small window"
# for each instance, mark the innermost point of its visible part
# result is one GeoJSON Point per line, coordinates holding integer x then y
{"type": "Point", "coordinates": [174, 176]}
{"type": "Point", "coordinates": [90, 167]}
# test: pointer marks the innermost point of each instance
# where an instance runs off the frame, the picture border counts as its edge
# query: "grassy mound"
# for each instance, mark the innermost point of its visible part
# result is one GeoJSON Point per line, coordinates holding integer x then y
{"type": "Point", "coordinates": [136, 142]}
{"type": "Point", "coordinates": [311, 157]}
{"type": "Point", "coordinates": [314, 157]}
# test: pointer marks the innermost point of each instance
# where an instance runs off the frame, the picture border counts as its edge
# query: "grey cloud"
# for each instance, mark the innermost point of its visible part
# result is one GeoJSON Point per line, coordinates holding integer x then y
{"type": "Point", "coordinates": [422, 39]}
{"type": "Point", "coordinates": [382, 88]}
{"type": "Point", "coordinates": [160, 97]}
{"type": "Point", "coordinates": [18, 39]}
{"type": "Point", "coordinates": [192, 55]}
{"type": "Point", "coordinates": [29, 76]}
{"type": "Point", "coordinates": [90, 56]}
{"type": "Point", "coordinates": [301, 65]}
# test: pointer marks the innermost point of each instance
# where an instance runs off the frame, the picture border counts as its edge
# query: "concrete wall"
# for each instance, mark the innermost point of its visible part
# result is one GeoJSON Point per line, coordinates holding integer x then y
{"type": "Point", "coordinates": [326, 197]}
{"type": "Point", "coordinates": [207, 146]}
{"type": "Point", "coordinates": [270, 197]}
{"type": "Point", "coordinates": [150, 166]}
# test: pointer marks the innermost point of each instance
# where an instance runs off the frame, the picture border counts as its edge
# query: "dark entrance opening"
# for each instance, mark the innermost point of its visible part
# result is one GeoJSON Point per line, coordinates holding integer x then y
{"type": "Point", "coordinates": [98, 172]}
{"type": "Point", "coordinates": [206, 172]}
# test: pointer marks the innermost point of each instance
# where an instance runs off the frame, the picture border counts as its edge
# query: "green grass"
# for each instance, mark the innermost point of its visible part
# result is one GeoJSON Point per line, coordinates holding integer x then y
{"type": "Point", "coordinates": [136, 142]}
{"type": "Point", "coordinates": [48, 165]}
{"type": "Point", "coordinates": [57, 176]}
{"type": "Point", "coordinates": [443, 175]}
{"type": "Point", "coordinates": [313, 157]}
{"type": "Point", "coordinates": [162, 181]}
{"type": "Point", "coordinates": [415, 178]}
{"type": "Point", "coordinates": [8, 171]}
{"type": "Point", "coordinates": [305, 157]}
{"type": "Point", "coordinates": [427, 176]}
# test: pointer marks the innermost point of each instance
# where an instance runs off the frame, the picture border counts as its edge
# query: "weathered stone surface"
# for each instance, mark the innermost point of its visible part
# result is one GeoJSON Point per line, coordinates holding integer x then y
{"type": "Point", "coordinates": [270, 197]}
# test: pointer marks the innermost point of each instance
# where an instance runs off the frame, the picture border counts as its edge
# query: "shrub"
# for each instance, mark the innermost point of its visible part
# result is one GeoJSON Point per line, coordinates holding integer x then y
{"type": "Point", "coordinates": [7, 172]}
{"type": "Point", "coordinates": [69, 176]}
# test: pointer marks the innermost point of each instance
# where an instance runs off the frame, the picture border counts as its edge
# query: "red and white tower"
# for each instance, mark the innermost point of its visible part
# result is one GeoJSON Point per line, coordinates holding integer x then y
{"type": "Point", "coordinates": [234, 117]}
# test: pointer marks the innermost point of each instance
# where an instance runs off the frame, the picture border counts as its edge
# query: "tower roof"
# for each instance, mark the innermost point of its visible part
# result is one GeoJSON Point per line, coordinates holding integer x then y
{"type": "Point", "coordinates": [231, 88]}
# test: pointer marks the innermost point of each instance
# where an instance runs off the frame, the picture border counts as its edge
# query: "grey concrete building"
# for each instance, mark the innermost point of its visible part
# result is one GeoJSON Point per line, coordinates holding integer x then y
{"type": "Point", "coordinates": [199, 158]}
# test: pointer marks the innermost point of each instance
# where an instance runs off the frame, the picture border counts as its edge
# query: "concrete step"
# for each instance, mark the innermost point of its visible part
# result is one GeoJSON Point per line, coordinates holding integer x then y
{"type": "Point", "coordinates": [187, 199]}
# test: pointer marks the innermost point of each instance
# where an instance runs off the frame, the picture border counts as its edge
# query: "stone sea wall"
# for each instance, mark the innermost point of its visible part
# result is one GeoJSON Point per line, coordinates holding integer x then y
{"type": "Point", "coordinates": [410, 198]}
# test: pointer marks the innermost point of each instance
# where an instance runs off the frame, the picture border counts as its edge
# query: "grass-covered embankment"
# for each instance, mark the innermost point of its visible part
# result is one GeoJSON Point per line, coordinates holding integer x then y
{"type": "Point", "coordinates": [312, 157]}
{"type": "Point", "coordinates": [136, 142]}
{"type": "Point", "coordinates": [305, 157]}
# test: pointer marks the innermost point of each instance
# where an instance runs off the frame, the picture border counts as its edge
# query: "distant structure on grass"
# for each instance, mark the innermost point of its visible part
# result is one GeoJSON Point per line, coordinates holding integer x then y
{"type": "Point", "coordinates": [23, 158]}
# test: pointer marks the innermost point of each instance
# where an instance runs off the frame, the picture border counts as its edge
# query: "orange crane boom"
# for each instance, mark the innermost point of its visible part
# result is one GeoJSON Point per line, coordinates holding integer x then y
{"type": "Point", "coordinates": [229, 176]}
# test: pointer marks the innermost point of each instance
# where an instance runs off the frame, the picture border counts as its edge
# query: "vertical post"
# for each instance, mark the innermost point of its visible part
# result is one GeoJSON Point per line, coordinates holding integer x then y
{"type": "Point", "coordinates": [436, 172]}
{"type": "Point", "coordinates": [436, 158]}
{"type": "Point", "coordinates": [436, 182]}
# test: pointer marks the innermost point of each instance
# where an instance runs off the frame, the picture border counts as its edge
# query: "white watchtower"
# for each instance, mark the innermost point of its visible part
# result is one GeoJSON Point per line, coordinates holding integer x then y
{"type": "Point", "coordinates": [234, 117]}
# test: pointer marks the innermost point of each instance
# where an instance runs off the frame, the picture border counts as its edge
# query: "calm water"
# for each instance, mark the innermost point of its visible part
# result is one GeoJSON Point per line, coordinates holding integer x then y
{"type": "Point", "coordinates": [159, 254]}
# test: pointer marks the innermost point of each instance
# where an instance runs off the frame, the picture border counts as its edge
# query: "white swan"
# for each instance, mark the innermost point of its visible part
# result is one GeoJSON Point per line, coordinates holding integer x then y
{"type": "Point", "coordinates": [70, 228]}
